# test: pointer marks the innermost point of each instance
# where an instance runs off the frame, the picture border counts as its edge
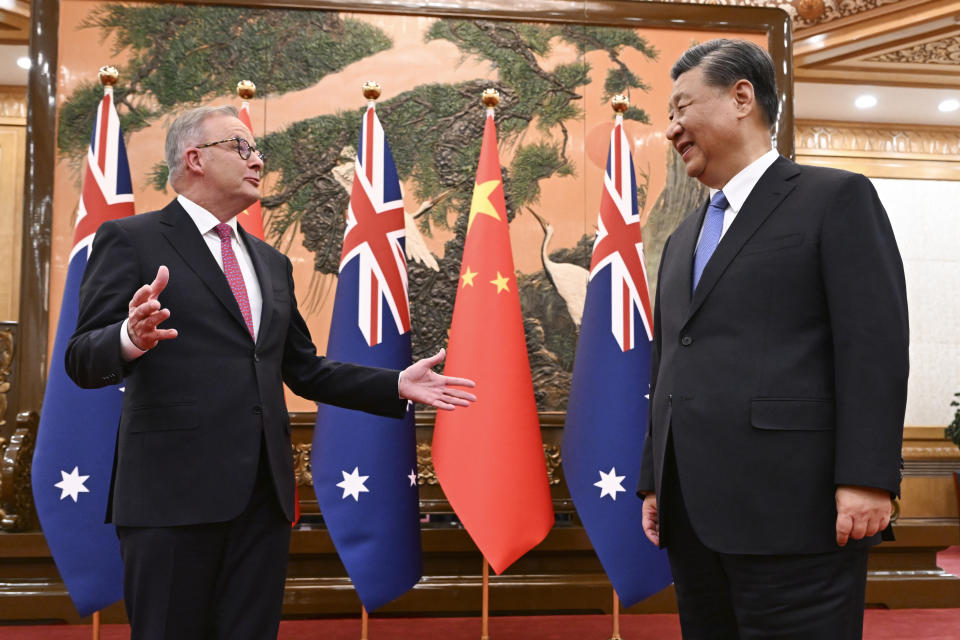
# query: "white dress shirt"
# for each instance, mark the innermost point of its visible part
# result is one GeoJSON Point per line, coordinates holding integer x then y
{"type": "Point", "coordinates": [738, 189]}
{"type": "Point", "coordinates": [206, 224]}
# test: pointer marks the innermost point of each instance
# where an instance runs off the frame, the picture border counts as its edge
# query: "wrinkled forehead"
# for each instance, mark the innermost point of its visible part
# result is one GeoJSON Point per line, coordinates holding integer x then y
{"type": "Point", "coordinates": [220, 127]}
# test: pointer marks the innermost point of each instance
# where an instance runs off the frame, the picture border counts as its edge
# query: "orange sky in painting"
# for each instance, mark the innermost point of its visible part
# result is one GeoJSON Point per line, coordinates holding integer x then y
{"type": "Point", "coordinates": [568, 203]}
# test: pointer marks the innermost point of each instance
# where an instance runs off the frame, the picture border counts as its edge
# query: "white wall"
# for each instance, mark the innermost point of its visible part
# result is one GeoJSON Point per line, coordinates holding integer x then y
{"type": "Point", "coordinates": [925, 215]}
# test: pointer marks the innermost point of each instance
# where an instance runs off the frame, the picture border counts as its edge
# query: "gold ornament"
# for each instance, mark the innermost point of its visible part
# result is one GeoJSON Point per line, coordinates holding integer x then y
{"type": "Point", "coordinates": [371, 90]}
{"type": "Point", "coordinates": [810, 10]}
{"type": "Point", "coordinates": [619, 103]}
{"type": "Point", "coordinates": [246, 89]}
{"type": "Point", "coordinates": [108, 76]}
{"type": "Point", "coordinates": [491, 98]}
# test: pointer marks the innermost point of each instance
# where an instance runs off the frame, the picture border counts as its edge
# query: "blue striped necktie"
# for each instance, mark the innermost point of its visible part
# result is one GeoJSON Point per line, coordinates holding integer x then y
{"type": "Point", "coordinates": [710, 238]}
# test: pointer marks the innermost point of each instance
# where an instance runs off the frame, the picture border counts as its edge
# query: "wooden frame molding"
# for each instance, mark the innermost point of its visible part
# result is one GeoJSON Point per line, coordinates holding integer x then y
{"type": "Point", "coordinates": [881, 150]}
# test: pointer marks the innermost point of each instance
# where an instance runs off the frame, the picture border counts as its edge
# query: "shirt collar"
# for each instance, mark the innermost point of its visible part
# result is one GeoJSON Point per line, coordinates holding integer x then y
{"type": "Point", "coordinates": [738, 189]}
{"type": "Point", "coordinates": [204, 220]}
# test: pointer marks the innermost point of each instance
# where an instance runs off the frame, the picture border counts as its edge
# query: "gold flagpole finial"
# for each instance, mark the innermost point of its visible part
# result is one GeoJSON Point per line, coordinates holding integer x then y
{"type": "Point", "coordinates": [619, 103]}
{"type": "Point", "coordinates": [246, 89]}
{"type": "Point", "coordinates": [371, 90]}
{"type": "Point", "coordinates": [491, 98]}
{"type": "Point", "coordinates": [108, 75]}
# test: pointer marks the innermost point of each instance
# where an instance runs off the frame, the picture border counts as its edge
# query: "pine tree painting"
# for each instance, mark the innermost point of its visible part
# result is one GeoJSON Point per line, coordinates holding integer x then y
{"type": "Point", "coordinates": [180, 56]}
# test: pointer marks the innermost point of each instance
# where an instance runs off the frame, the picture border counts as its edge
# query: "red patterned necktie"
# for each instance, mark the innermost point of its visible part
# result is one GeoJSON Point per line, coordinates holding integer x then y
{"type": "Point", "coordinates": [231, 268]}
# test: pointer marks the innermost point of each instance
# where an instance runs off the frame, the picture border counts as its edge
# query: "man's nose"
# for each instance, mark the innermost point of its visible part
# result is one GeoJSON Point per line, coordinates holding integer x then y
{"type": "Point", "coordinates": [673, 130]}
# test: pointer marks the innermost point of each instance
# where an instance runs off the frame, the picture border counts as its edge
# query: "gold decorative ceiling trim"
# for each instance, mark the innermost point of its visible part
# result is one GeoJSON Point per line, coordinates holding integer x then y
{"type": "Point", "coordinates": [810, 13]}
{"type": "Point", "coordinates": [881, 150]}
{"type": "Point", "coordinates": [945, 51]}
{"type": "Point", "coordinates": [13, 102]}
{"type": "Point", "coordinates": [879, 139]}
{"type": "Point", "coordinates": [15, 22]}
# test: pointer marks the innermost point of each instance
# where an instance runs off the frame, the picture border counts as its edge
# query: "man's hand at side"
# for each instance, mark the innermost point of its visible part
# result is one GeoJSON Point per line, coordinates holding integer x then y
{"type": "Point", "coordinates": [861, 512]}
{"type": "Point", "coordinates": [146, 313]}
{"type": "Point", "coordinates": [651, 518]}
{"type": "Point", "coordinates": [420, 384]}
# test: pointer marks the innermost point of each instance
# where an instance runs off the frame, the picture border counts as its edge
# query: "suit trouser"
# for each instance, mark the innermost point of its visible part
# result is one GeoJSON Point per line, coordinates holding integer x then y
{"type": "Point", "coordinates": [220, 580]}
{"type": "Point", "coordinates": [752, 597]}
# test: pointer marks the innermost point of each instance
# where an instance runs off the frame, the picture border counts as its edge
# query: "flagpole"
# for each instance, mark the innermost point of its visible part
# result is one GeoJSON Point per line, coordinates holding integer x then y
{"type": "Point", "coordinates": [364, 622]}
{"type": "Point", "coordinates": [485, 610]}
{"type": "Point", "coordinates": [616, 616]}
{"type": "Point", "coordinates": [96, 625]}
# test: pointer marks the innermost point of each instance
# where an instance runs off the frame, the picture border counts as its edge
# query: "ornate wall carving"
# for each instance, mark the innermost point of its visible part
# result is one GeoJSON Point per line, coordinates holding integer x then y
{"type": "Point", "coordinates": [17, 511]}
{"type": "Point", "coordinates": [806, 13]}
{"type": "Point", "coordinates": [945, 51]}
{"type": "Point", "coordinates": [941, 143]}
{"type": "Point", "coordinates": [13, 102]}
{"type": "Point", "coordinates": [426, 474]}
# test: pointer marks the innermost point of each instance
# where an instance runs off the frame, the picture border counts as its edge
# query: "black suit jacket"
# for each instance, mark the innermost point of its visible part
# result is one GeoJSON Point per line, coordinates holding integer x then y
{"type": "Point", "coordinates": [196, 408]}
{"type": "Point", "coordinates": [785, 374]}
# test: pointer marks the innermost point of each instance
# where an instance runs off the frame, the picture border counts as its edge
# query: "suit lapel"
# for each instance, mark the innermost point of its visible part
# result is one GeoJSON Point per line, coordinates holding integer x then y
{"type": "Point", "coordinates": [258, 254]}
{"type": "Point", "coordinates": [183, 236]}
{"type": "Point", "coordinates": [685, 241]}
{"type": "Point", "coordinates": [766, 196]}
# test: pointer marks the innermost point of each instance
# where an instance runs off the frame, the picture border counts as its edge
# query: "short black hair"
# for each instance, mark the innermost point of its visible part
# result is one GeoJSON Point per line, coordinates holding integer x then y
{"type": "Point", "coordinates": [725, 62]}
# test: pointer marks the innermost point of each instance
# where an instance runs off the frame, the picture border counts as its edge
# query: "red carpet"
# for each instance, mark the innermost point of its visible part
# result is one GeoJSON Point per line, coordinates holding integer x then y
{"type": "Point", "coordinates": [915, 624]}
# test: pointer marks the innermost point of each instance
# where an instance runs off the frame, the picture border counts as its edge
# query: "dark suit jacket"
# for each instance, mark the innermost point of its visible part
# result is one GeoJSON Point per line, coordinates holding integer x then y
{"type": "Point", "coordinates": [197, 407]}
{"type": "Point", "coordinates": [785, 374]}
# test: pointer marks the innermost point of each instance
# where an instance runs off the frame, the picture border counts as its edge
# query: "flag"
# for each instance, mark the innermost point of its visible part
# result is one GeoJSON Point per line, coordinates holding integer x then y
{"type": "Point", "coordinates": [73, 460]}
{"type": "Point", "coordinates": [365, 466]}
{"type": "Point", "coordinates": [606, 413]}
{"type": "Point", "coordinates": [251, 218]}
{"type": "Point", "coordinates": [489, 456]}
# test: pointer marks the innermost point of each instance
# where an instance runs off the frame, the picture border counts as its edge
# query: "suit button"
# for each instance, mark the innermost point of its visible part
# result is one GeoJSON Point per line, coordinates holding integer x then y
{"type": "Point", "coordinates": [257, 410]}
{"type": "Point", "coordinates": [256, 357]}
{"type": "Point", "coordinates": [686, 341]}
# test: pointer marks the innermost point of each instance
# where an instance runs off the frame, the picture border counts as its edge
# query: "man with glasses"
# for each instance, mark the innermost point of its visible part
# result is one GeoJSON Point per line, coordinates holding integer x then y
{"type": "Point", "coordinates": [202, 493]}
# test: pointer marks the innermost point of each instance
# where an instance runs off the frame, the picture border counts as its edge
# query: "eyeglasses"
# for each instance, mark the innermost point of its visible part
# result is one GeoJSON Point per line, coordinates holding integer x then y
{"type": "Point", "coordinates": [243, 148]}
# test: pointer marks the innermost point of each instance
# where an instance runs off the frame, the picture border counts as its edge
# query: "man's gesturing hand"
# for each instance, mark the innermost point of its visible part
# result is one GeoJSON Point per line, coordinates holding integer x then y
{"type": "Point", "coordinates": [420, 384]}
{"type": "Point", "coordinates": [861, 512]}
{"type": "Point", "coordinates": [145, 314]}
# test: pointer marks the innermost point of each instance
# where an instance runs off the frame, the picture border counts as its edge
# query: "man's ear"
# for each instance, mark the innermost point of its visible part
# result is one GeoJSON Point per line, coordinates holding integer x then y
{"type": "Point", "coordinates": [193, 161]}
{"type": "Point", "coordinates": [743, 95]}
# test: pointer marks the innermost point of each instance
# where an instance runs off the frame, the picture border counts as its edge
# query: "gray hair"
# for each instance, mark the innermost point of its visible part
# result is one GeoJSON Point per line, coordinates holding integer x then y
{"type": "Point", "coordinates": [187, 131]}
{"type": "Point", "coordinates": [725, 62]}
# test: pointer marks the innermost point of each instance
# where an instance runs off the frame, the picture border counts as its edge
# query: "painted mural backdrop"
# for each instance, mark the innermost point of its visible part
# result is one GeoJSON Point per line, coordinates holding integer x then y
{"type": "Point", "coordinates": [553, 120]}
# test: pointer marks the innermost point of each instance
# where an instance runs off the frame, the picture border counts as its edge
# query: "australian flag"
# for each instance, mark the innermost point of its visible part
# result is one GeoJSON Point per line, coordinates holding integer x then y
{"type": "Point", "coordinates": [607, 410]}
{"type": "Point", "coordinates": [365, 466]}
{"type": "Point", "coordinates": [73, 460]}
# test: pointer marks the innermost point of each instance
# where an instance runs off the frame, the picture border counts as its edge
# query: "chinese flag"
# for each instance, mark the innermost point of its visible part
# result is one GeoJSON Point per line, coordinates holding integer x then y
{"type": "Point", "coordinates": [251, 218]}
{"type": "Point", "coordinates": [489, 456]}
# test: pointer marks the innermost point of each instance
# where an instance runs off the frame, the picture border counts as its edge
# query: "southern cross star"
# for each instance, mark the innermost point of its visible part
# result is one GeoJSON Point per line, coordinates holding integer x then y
{"type": "Point", "coordinates": [610, 483]}
{"type": "Point", "coordinates": [352, 484]}
{"type": "Point", "coordinates": [72, 484]}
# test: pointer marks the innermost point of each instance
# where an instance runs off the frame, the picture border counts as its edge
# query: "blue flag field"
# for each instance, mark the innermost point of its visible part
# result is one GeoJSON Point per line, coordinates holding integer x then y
{"type": "Point", "coordinates": [607, 412]}
{"type": "Point", "coordinates": [365, 466]}
{"type": "Point", "coordinates": [73, 460]}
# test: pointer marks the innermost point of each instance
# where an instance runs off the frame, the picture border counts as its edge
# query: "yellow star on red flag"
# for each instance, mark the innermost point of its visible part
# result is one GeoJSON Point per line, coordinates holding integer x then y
{"type": "Point", "coordinates": [501, 282]}
{"type": "Point", "coordinates": [498, 437]}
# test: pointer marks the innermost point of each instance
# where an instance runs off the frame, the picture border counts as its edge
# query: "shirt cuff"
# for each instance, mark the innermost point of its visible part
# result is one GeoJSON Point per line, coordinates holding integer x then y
{"type": "Point", "coordinates": [129, 350]}
{"type": "Point", "coordinates": [399, 377]}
